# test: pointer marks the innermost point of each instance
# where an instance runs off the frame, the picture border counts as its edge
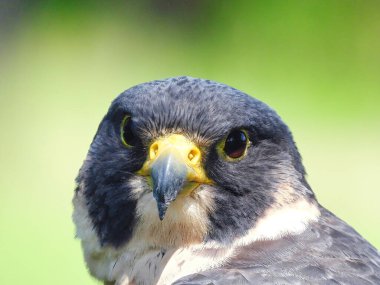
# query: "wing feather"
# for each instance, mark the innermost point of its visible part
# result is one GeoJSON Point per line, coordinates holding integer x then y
{"type": "Point", "coordinates": [328, 252]}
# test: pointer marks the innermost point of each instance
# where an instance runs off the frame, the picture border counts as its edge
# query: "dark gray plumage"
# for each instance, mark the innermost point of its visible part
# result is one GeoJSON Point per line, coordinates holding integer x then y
{"type": "Point", "coordinates": [248, 215]}
{"type": "Point", "coordinates": [328, 252]}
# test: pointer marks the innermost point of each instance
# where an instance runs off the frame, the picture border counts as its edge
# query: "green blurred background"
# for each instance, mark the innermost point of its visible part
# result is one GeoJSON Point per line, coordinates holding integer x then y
{"type": "Point", "coordinates": [61, 63]}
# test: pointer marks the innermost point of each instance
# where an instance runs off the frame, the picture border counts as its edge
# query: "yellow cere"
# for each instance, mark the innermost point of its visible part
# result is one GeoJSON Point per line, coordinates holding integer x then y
{"type": "Point", "coordinates": [183, 149]}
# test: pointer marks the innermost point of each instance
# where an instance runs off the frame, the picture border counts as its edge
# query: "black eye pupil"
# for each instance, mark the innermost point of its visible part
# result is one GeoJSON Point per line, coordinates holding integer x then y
{"type": "Point", "coordinates": [127, 135]}
{"type": "Point", "coordinates": [235, 144]}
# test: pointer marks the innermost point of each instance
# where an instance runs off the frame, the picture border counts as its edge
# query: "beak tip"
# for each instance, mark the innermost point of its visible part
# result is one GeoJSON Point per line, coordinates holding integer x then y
{"type": "Point", "coordinates": [162, 207]}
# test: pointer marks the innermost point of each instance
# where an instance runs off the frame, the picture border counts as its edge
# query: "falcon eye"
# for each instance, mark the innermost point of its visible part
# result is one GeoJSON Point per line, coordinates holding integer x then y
{"type": "Point", "coordinates": [128, 137]}
{"type": "Point", "coordinates": [236, 144]}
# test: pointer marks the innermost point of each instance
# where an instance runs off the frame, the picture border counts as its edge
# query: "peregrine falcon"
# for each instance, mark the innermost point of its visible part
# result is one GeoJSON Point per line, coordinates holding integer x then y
{"type": "Point", "coordinates": [189, 181]}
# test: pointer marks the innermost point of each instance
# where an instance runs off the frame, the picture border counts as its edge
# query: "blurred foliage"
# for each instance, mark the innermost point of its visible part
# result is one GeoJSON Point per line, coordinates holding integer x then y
{"type": "Point", "coordinates": [62, 62]}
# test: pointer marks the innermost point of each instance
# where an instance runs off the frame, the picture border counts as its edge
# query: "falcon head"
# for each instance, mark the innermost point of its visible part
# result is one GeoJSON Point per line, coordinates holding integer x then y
{"type": "Point", "coordinates": [187, 161]}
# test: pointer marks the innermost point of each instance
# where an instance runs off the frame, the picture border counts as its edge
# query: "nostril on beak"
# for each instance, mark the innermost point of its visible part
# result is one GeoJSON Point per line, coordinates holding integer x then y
{"type": "Point", "coordinates": [194, 155]}
{"type": "Point", "coordinates": [153, 151]}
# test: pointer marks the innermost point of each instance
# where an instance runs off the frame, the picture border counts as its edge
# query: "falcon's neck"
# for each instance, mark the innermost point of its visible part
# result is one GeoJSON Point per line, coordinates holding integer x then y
{"type": "Point", "coordinates": [164, 251]}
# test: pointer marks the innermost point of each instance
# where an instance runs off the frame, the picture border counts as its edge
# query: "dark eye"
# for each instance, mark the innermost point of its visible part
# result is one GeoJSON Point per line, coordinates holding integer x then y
{"type": "Point", "coordinates": [127, 135]}
{"type": "Point", "coordinates": [236, 144]}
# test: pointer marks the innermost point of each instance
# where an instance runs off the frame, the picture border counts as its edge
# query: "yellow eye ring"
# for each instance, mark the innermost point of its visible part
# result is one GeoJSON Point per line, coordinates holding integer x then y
{"type": "Point", "coordinates": [234, 146]}
{"type": "Point", "coordinates": [128, 137]}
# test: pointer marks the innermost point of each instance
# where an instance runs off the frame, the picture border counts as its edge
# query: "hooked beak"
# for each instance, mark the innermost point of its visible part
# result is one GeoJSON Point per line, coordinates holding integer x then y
{"type": "Point", "coordinates": [174, 164]}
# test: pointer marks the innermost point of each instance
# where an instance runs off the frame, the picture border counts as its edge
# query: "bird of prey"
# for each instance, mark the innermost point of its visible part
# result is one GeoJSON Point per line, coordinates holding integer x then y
{"type": "Point", "coordinates": [189, 181]}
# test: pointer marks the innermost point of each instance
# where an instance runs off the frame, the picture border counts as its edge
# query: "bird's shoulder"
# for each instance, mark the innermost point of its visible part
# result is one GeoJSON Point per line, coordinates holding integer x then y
{"type": "Point", "coordinates": [327, 252]}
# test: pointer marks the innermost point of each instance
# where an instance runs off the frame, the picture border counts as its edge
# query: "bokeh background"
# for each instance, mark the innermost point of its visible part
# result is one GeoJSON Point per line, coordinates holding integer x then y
{"type": "Point", "coordinates": [62, 62]}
